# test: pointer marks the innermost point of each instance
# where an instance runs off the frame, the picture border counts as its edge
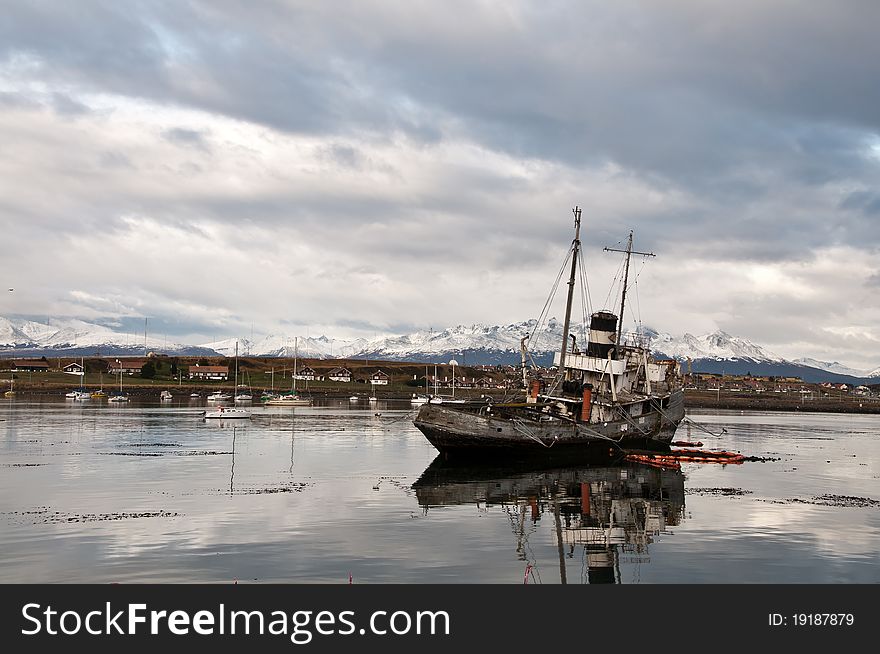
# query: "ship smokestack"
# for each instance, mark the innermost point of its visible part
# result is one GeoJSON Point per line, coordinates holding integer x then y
{"type": "Point", "coordinates": [603, 332]}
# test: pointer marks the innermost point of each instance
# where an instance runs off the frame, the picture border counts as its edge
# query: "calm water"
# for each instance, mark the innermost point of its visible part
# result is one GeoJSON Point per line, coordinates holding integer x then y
{"type": "Point", "coordinates": [149, 493]}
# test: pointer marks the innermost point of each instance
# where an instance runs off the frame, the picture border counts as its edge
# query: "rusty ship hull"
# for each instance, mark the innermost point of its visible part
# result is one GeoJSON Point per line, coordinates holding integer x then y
{"type": "Point", "coordinates": [521, 427]}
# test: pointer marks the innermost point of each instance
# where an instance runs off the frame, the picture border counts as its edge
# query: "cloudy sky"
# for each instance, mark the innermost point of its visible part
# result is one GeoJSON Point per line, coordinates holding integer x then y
{"type": "Point", "coordinates": [363, 168]}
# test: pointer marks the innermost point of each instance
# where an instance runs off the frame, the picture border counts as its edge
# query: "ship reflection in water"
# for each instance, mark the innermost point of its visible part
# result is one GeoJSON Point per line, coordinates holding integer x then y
{"type": "Point", "coordinates": [609, 513]}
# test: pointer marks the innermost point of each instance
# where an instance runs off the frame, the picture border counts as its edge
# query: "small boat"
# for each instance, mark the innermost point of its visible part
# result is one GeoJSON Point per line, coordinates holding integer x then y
{"type": "Point", "coordinates": [289, 400]}
{"type": "Point", "coordinates": [244, 397]}
{"type": "Point", "coordinates": [219, 397]}
{"type": "Point", "coordinates": [120, 396]}
{"type": "Point", "coordinates": [82, 393]}
{"type": "Point", "coordinates": [419, 399]}
{"type": "Point", "coordinates": [373, 398]}
{"type": "Point", "coordinates": [194, 395]}
{"type": "Point", "coordinates": [100, 394]}
{"type": "Point", "coordinates": [292, 398]}
{"type": "Point", "coordinates": [353, 398]}
{"type": "Point", "coordinates": [437, 399]}
{"type": "Point", "coordinates": [227, 413]}
{"type": "Point", "coordinates": [165, 396]}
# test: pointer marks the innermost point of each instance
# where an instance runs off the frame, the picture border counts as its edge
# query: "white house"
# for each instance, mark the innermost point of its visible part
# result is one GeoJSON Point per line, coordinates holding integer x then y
{"type": "Point", "coordinates": [73, 369]}
{"type": "Point", "coordinates": [339, 375]}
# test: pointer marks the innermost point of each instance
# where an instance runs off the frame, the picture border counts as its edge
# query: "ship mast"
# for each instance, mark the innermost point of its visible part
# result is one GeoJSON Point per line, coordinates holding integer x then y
{"type": "Point", "coordinates": [575, 248]}
{"type": "Point", "coordinates": [629, 252]}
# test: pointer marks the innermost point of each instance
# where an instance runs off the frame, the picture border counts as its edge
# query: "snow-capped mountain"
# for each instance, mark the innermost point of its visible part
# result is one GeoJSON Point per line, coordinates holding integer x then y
{"type": "Point", "coordinates": [281, 345]}
{"type": "Point", "coordinates": [717, 345]}
{"type": "Point", "coordinates": [76, 337]}
{"type": "Point", "coordinates": [469, 345]}
{"type": "Point", "coordinates": [491, 341]}
{"type": "Point", "coordinates": [836, 367]}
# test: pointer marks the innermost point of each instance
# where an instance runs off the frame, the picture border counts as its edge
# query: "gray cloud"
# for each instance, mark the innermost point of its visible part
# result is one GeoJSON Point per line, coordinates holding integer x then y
{"type": "Point", "coordinates": [187, 137]}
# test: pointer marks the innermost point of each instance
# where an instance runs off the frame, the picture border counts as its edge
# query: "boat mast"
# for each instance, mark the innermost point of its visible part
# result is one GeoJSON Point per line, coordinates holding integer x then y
{"type": "Point", "coordinates": [628, 251]}
{"type": "Point", "coordinates": [575, 248]}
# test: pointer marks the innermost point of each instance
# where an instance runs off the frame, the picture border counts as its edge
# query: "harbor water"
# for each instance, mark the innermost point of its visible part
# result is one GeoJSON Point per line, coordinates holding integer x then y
{"type": "Point", "coordinates": [148, 492]}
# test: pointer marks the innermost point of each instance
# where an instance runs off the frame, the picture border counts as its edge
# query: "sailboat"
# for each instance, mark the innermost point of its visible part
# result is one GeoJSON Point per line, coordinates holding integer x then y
{"type": "Point", "coordinates": [82, 393]}
{"type": "Point", "coordinates": [603, 399]}
{"type": "Point", "coordinates": [120, 396]}
{"type": "Point", "coordinates": [11, 391]}
{"type": "Point", "coordinates": [293, 398]}
{"type": "Point", "coordinates": [100, 394]}
{"type": "Point", "coordinates": [421, 399]}
{"type": "Point", "coordinates": [229, 413]}
{"type": "Point", "coordinates": [242, 396]}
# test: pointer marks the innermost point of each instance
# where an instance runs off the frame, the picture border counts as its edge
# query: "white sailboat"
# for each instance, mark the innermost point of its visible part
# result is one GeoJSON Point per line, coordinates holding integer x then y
{"type": "Point", "coordinates": [120, 396]}
{"type": "Point", "coordinates": [293, 398]}
{"type": "Point", "coordinates": [229, 413]}
{"type": "Point", "coordinates": [421, 399]}
{"type": "Point", "coordinates": [82, 393]}
{"type": "Point", "coordinates": [242, 396]}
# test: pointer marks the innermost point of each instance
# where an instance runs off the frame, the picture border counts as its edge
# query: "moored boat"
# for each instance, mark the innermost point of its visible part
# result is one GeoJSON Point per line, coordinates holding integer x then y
{"type": "Point", "coordinates": [607, 397]}
{"type": "Point", "coordinates": [289, 400]}
{"type": "Point", "coordinates": [227, 413]}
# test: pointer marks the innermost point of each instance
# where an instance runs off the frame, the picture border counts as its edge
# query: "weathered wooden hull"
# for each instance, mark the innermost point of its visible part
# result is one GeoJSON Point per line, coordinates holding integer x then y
{"type": "Point", "coordinates": [457, 429]}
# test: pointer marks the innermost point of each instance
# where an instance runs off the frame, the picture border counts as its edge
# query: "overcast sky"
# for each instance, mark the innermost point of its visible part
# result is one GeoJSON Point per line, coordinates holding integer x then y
{"type": "Point", "coordinates": [368, 168]}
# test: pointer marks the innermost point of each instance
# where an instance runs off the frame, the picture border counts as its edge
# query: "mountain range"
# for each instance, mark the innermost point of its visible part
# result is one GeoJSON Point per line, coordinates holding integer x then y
{"type": "Point", "coordinates": [476, 344]}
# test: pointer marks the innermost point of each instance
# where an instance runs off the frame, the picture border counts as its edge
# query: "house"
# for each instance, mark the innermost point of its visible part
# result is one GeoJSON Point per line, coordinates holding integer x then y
{"type": "Point", "coordinates": [485, 382]}
{"type": "Point", "coordinates": [379, 378]}
{"type": "Point", "coordinates": [305, 374]}
{"type": "Point", "coordinates": [339, 375]}
{"type": "Point", "coordinates": [30, 366]}
{"type": "Point", "coordinates": [126, 366]}
{"type": "Point", "coordinates": [73, 368]}
{"type": "Point", "coordinates": [216, 373]}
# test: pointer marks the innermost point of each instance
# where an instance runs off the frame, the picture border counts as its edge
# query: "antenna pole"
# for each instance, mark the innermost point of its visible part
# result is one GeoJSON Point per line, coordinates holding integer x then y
{"type": "Point", "coordinates": [629, 252]}
{"type": "Point", "coordinates": [575, 247]}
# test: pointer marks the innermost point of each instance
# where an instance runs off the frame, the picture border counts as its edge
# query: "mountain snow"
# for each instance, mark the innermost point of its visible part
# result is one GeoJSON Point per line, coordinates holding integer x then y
{"type": "Point", "coordinates": [70, 334]}
{"type": "Point", "coordinates": [489, 341]}
{"type": "Point", "coordinates": [836, 367]}
{"type": "Point", "coordinates": [717, 345]}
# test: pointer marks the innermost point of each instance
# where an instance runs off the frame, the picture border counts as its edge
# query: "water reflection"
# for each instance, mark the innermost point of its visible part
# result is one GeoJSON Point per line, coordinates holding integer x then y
{"type": "Point", "coordinates": [603, 514]}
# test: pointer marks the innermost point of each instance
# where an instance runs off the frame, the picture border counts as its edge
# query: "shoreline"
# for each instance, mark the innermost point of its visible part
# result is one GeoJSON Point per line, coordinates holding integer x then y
{"type": "Point", "coordinates": [709, 400]}
{"type": "Point", "coordinates": [693, 399]}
